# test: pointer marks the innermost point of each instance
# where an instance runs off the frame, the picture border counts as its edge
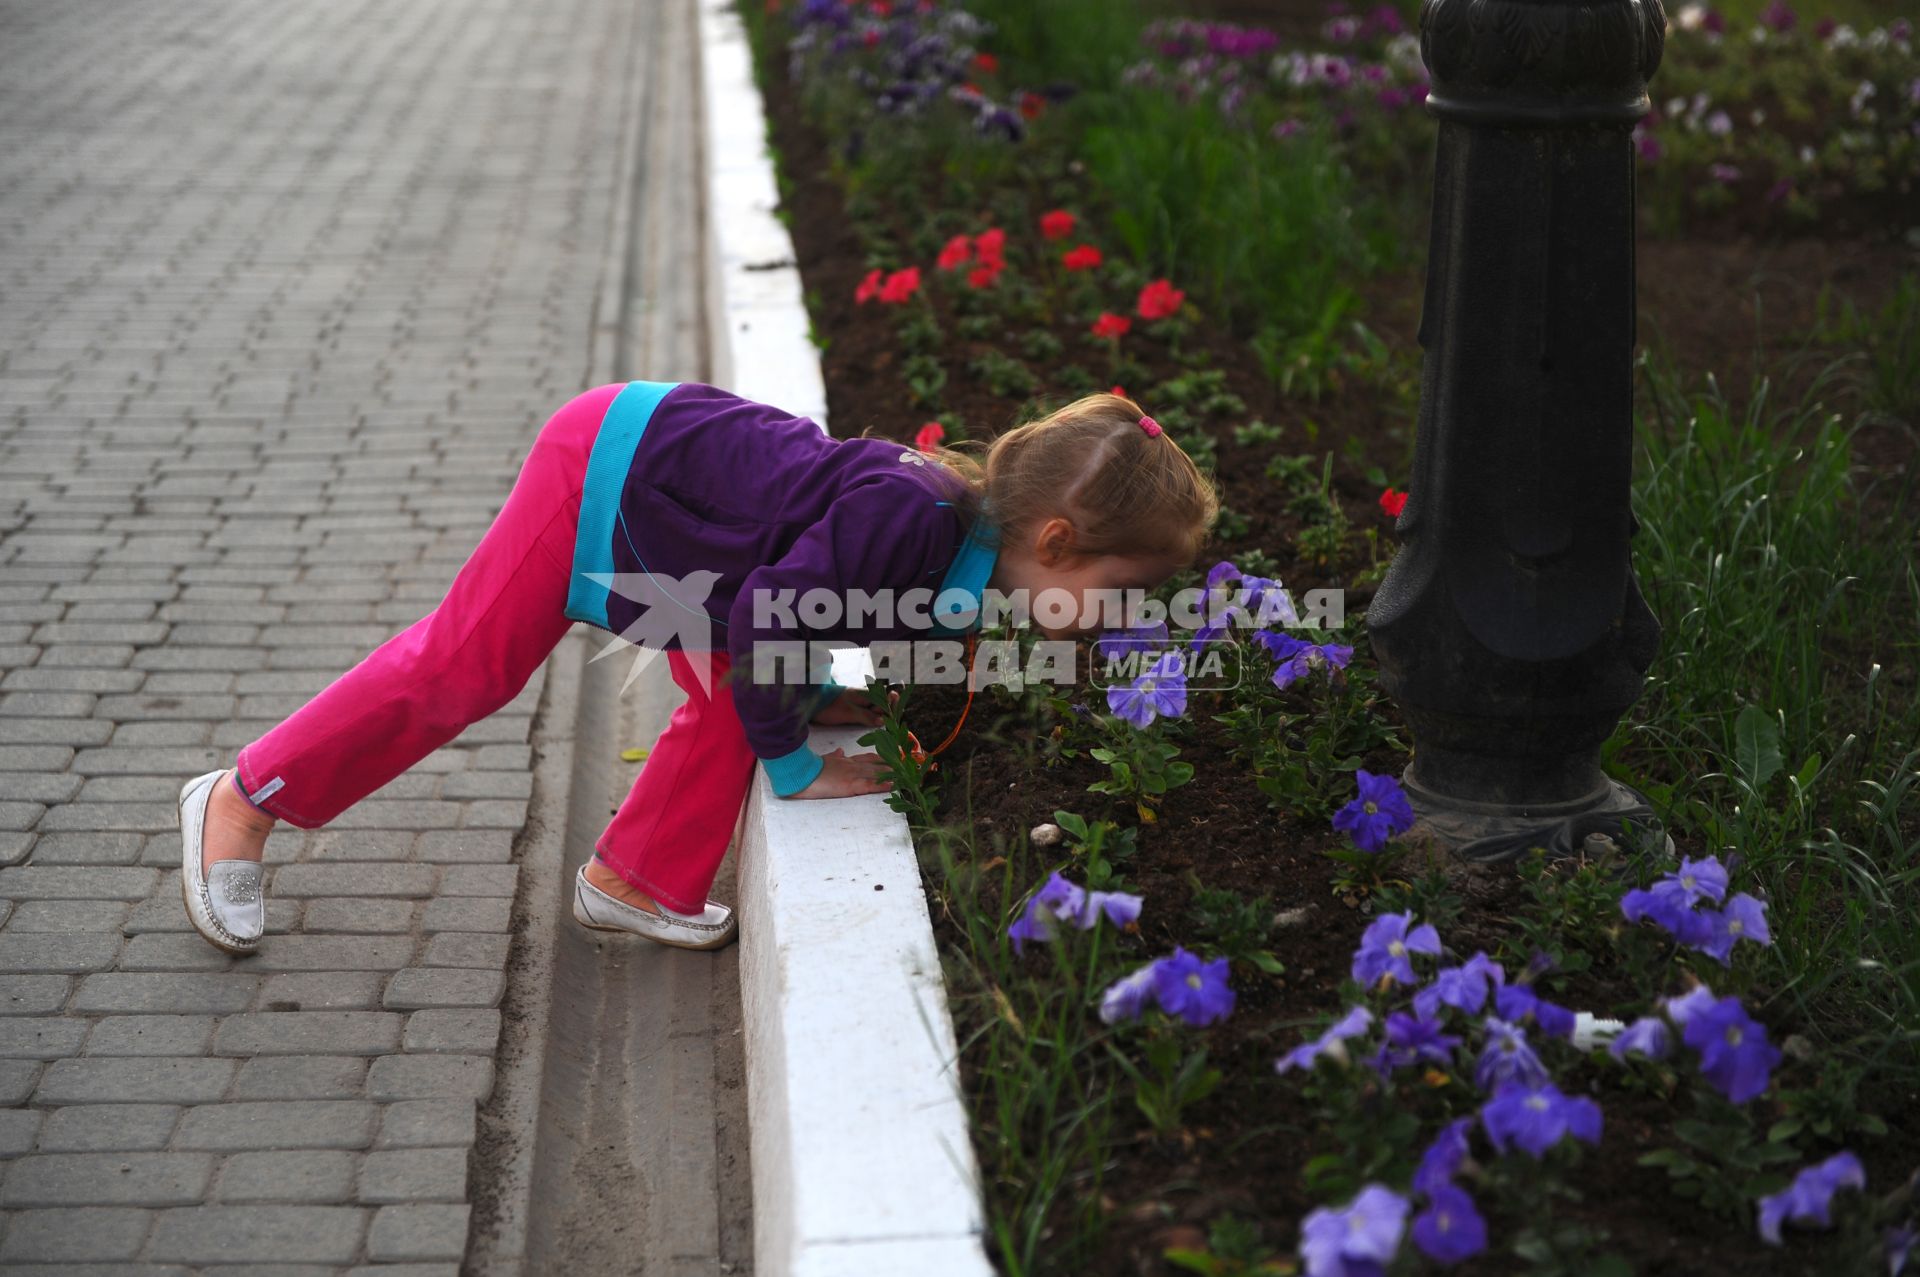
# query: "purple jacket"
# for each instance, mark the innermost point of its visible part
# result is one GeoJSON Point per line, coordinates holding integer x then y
{"type": "Point", "coordinates": [696, 500]}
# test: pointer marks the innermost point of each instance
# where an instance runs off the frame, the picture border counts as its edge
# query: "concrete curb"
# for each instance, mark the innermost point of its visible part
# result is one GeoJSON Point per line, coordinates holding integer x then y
{"type": "Point", "coordinates": [862, 1161]}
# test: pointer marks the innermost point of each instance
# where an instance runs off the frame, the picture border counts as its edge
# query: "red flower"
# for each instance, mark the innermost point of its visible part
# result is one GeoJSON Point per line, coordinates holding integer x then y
{"type": "Point", "coordinates": [869, 287]}
{"type": "Point", "coordinates": [1119, 390]}
{"type": "Point", "coordinates": [929, 436]}
{"type": "Point", "coordinates": [1058, 224]}
{"type": "Point", "coordinates": [1160, 299]}
{"type": "Point", "coordinates": [1111, 325]}
{"type": "Point", "coordinates": [870, 38]}
{"type": "Point", "coordinates": [990, 246]}
{"type": "Point", "coordinates": [1393, 502]}
{"type": "Point", "coordinates": [1031, 104]}
{"type": "Point", "coordinates": [956, 254]}
{"type": "Point", "coordinates": [773, 6]}
{"type": "Point", "coordinates": [1085, 257]}
{"type": "Point", "coordinates": [900, 285]}
{"type": "Point", "coordinates": [983, 275]}
{"type": "Point", "coordinates": [881, 8]}
{"type": "Point", "coordinates": [986, 62]}
{"type": "Point", "coordinates": [973, 88]}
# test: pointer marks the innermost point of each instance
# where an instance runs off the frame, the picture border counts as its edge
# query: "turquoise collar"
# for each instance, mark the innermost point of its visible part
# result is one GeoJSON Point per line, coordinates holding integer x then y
{"type": "Point", "coordinates": [971, 568]}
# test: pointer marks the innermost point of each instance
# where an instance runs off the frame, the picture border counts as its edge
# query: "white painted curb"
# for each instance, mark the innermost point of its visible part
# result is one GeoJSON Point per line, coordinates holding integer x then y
{"type": "Point", "coordinates": [862, 1162]}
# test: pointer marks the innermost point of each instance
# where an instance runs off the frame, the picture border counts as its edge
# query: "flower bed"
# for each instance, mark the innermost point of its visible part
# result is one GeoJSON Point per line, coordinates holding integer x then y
{"type": "Point", "coordinates": [1151, 898]}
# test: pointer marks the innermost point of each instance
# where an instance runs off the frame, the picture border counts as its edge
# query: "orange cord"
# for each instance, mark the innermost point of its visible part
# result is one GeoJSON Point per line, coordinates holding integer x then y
{"type": "Point", "coordinates": [921, 755]}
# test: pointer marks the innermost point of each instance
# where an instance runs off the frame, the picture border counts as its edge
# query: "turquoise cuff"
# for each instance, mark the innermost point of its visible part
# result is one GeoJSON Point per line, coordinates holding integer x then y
{"type": "Point", "coordinates": [823, 697]}
{"type": "Point", "coordinates": [791, 773]}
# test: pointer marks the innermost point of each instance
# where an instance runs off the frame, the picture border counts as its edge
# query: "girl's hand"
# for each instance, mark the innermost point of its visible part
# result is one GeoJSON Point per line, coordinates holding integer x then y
{"type": "Point", "coordinates": [852, 708]}
{"type": "Point", "coordinates": [843, 777]}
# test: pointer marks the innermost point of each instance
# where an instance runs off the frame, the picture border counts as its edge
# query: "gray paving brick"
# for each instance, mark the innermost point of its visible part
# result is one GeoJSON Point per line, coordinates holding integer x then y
{"type": "Point", "coordinates": [258, 1234]}
{"type": "Point", "coordinates": [420, 987]}
{"type": "Point", "coordinates": [35, 758]}
{"type": "Point", "coordinates": [317, 1175]}
{"type": "Point", "coordinates": [71, 952]}
{"type": "Point", "coordinates": [146, 818]}
{"type": "Point", "coordinates": [66, 882]}
{"type": "Point", "coordinates": [173, 951]}
{"type": "Point", "coordinates": [18, 1130]}
{"type": "Point", "coordinates": [133, 1080]}
{"type": "Point", "coordinates": [35, 1038]}
{"type": "Point", "coordinates": [428, 1124]}
{"type": "Point", "coordinates": [479, 880]}
{"type": "Point", "coordinates": [310, 1033]}
{"type": "Point", "coordinates": [481, 784]}
{"type": "Point", "coordinates": [14, 846]}
{"type": "Point", "coordinates": [17, 1080]}
{"type": "Point", "coordinates": [175, 993]}
{"type": "Point", "coordinates": [361, 879]}
{"type": "Point", "coordinates": [302, 1077]}
{"type": "Point", "coordinates": [323, 991]}
{"type": "Point", "coordinates": [106, 1179]}
{"type": "Point", "coordinates": [104, 917]}
{"type": "Point", "coordinates": [75, 732]}
{"type": "Point", "coordinates": [367, 917]}
{"type": "Point", "coordinates": [419, 1232]}
{"type": "Point", "coordinates": [330, 953]}
{"type": "Point", "coordinates": [467, 949]}
{"type": "Point", "coordinates": [464, 846]}
{"type": "Point", "coordinates": [43, 789]}
{"type": "Point", "coordinates": [328, 845]}
{"type": "Point", "coordinates": [175, 1035]}
{"type": "Point", "coordinates": [20, 817]}
{"type": "Point", "coordinates": [448, 1269]}
{"type": "Point", "coordinates": [109, 1128]}
{"type": "Point", "coordinates": [74, 1236]}
{"type": "Point", "coordinates": [414, 1175]}
{"type": "Point", "coordinates": [453, 1031]}
{"type": "Point", "coordinates": [428, 1077]}
{"type": "Point", "coordinates": [279, 1124]}
{"type": "Point", "coordinates": [88, 849]}
{"type": "Point", "coordinates": [467, 913]}
{"type": "Point", "coordinates": [33, 994]}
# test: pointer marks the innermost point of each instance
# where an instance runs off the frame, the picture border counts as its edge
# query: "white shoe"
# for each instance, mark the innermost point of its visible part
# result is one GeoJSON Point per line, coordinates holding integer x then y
{"type": "Point", "coordinates": [225, 904]}
{"type": "Point", "coordinates": [711, 928]}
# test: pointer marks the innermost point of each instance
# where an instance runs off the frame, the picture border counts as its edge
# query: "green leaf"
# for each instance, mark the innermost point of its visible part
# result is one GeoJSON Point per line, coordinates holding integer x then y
{"type": "Point", "coordinates": [1756, 746]}
{"type": "Point", "coordinates": [1871, 1124]}
{"type": "Point", "coordinates": [1073, 824]}
{"type": "Point", "coordinates": [633, 755]}
{"type": "Point", "coordinates": [1784, 1130]}
{"type": "Point", "coordinates": [1267, 962]}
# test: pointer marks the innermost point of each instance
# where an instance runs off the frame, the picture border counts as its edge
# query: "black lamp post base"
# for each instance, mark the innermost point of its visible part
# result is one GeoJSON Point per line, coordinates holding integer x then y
{"type": "Point", "coordinates": [1490, 833]}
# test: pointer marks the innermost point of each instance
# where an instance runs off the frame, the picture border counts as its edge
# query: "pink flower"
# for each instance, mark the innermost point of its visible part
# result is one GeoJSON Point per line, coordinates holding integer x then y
{"type": "Point", "coordinates": [869, 287]}
{"type": "Point", "coordinates": [1159, 300]}
{"type": "Point", "coordinates": [1057, 224]}
{"type": "Point", "coordinates": [928, 437]}
{"type": "Point", "coordinates": [1111, 325]}
{"type": "Point", "coordinates": [1393, 502]}
{"type": "Point", "coordinates": [1085, 257]}
{"type": "Point", "coordinates": [900, 285]}
{"type": "Point", "coordinates": [958, 251]}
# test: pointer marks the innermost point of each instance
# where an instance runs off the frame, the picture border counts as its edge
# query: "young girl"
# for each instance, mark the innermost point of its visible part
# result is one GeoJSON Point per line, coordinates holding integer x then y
{"type": "Point", "coordinates": [648, 506]}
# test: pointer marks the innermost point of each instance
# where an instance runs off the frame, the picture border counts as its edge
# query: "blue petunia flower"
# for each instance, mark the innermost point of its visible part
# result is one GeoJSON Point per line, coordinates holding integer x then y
{"type": "Point", "coordinates": [1351, 1025]}
{"type": "Point", "coordinates": [1450, 1229]}
{"type": "Point", "coordinates": [1384, 947]}
{"type": "Point", "coordinates": [1464, 988]}
{"type": "Point", "coordinates": [1409, 1040]}
{"type": "Point", "coordinates": [1648, 1036]}
{"type": "Point", "coordinates": [1517, 1003]}
{"type": "Point", "coordinates": [1734, 1052]}
{"type": "Point", "coordinates": [1194, 990]}
{"type": "Point", "coordinates": [1360, 1238]}
{"type": "Point", "coordinates": [1380, 812]}
{"type": "Point", "coordinates": [1507, 1058]}
{"type": "Point", "coordinates": [1808, 1199]}
{"type": "Point", "coordinates": [1127, 997]}
{"type": "Point", "coordinates": [1538, 1117]}
{"type": "Point", "coordinates": [1744, 918]}
{"type": "Point", "coordinates": [1443, 1157]}
{"type": "Point", "coordinates": [1161, 691]}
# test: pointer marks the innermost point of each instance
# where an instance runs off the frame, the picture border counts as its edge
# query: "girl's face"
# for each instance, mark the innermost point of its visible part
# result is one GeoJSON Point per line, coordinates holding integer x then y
{"type": "Point", "coordinates": [1045, 560]}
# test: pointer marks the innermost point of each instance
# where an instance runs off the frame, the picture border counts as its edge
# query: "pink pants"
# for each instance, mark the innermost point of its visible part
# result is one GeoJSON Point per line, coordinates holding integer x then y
{"type": "Point", "coordinates": [475, 651]}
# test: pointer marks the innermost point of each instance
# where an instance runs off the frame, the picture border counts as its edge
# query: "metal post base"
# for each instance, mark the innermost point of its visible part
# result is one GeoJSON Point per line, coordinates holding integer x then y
{"type": "Point", "coordinates": [1491, 834]}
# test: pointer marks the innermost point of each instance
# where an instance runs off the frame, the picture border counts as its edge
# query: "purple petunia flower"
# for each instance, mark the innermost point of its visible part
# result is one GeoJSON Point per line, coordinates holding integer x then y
{"type": "Point", "coordinates": [1807, 1199]}
{"type": "Point", "coordinates": [1356, 1021]}
{"type": "Point", "coordinates": [1666, 904]}
{"type": "Point", "coordinates": [1450, 1229]}
{"type": "Point", "coordinates": [1061, 899]}
{"type": "Point", "coordinates": [1411, 1039]}
{"type": "Point", "coordinates": [1161, 691]}
{"type": "Point", "coordinates": [1127, 997]}
{"type": "Point", "coordinates": [1384, 947]}
{"type": "Point", "coordinates": [1380, 812]}
{"type": "Point", "coordinates": [1538, 1117]}
{"type": "Point", "coordinates": [1195, 991]}
{"type": "Point", "coordinates": [1897, 1242]}
{"type": "Point", "coordinates": [1441, 1161]}
{"type": "Point", "coordinates": [1518, 1002]}
{"type": "Point", "coordinates": [1464, 988]}
{"type": "Point", "coordinates": [1297, 658]}
{"type": "Point", "coordinates": [1682, 1009]}
{"type": "Point", "coordinates": [1701, 880]}
{"type": "Point", "coordinates": [1734, 1052]}
{"type": "Point", "coordinates": [1744, 918]}
{"type": "Point", "coordinates": [1360, 1238]}
{"type": "Point", "coordinates": [1507, 1058]}
{"type": "Point", "coordinates": [1648, 1036]}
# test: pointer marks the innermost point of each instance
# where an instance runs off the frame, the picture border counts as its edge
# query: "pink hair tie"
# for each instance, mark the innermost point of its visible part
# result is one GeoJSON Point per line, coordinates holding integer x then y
{"type": "Point", "coordinates": [1149, 425]}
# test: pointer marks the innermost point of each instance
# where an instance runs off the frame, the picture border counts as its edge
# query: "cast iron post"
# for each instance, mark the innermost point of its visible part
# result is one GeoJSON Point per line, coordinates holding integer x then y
{"type": "Point", "coordinates": [1510, 628]}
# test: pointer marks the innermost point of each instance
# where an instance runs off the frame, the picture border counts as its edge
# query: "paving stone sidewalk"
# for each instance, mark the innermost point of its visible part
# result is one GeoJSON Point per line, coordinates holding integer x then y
{"type": "Point", "coordinates": [285, 292]}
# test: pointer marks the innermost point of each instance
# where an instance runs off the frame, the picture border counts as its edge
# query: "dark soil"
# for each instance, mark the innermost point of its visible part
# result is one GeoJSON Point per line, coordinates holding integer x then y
{"type": "Point", "coordinates": [1715, 304]}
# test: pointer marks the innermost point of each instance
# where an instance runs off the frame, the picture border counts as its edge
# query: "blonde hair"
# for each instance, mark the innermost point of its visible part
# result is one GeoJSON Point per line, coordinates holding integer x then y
{"type": "Point", "coordinates": [1126, 492]}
